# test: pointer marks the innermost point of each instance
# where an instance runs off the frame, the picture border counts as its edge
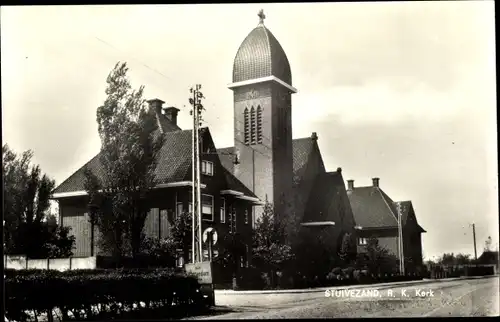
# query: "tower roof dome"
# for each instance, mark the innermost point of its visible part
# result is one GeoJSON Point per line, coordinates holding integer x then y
{"type": "Point", "coordinates": [261, 55]}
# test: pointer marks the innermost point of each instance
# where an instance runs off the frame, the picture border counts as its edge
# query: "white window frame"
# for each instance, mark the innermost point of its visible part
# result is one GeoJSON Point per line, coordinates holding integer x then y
{"type": "Point", "coordinates": [222, 210]}
{"type": "Point", "coordinates": [177, 213]}
{"type": "Point", "coordinates": [212, 206]}
{"type": "Point", "coordinates": [204, 168]}
{"type": "Point", "coordinates": [362, 241]}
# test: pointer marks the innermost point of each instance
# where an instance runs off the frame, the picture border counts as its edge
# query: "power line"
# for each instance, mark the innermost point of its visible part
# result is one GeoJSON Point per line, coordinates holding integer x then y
{"type": "Point", "coordinates": [163, 75]}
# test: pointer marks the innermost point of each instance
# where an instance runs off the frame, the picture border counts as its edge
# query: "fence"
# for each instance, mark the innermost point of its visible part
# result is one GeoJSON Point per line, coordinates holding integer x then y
{"type": "Point", "coordinates": [60, 264]}
{"type": "Point", "coordinates": [444, 271]}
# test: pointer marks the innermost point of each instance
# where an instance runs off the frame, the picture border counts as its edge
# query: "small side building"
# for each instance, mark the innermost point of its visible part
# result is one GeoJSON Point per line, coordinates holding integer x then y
{"type": "Point", "coordinates": [376, 216]}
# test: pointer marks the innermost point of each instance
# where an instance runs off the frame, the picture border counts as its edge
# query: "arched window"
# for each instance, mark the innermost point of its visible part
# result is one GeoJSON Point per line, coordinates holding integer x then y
{"type": "Point", "coordinates": [247, 126]}
{"type": "Point", "coordinates": [259, 124]}
{"type": "Point", "coordinates": [253, 126]}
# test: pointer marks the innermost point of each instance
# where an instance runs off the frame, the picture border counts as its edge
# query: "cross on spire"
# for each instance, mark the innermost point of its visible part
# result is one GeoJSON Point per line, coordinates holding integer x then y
{"type": "Point", "coordinates": [262, 16]}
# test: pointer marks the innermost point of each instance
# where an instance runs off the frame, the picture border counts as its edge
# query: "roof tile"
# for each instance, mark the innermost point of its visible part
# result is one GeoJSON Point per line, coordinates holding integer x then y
{"type": "Point", "coordinates": [371, 209]}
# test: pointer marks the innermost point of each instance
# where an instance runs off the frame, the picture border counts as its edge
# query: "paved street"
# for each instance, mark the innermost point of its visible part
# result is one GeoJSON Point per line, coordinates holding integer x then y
{"type": "Point", "coordinates": [473, 297]}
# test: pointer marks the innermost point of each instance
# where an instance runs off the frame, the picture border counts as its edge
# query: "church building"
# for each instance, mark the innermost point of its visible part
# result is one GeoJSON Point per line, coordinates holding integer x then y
{"type": "Point", "coordinates": [266, 164]}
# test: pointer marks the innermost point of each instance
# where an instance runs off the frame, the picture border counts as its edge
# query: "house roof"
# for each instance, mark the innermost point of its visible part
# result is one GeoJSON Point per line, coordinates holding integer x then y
{"type": "Point", "coordinates": [488, 257]}
{"type": "Point", "coordinates": [406, 206]}
{"type": "Point", "coordinates": [326, 201]}
{"type": "Point", "coordinates": [166, 124]}
{"type": "Point", "coordinates": [372, 208]}
{"type": "Point", "coordinates": [174, 156]}
{"type": "Point", "coordinates": [234, 184]}
{"type": "Point", "coordinates": [173, 166]}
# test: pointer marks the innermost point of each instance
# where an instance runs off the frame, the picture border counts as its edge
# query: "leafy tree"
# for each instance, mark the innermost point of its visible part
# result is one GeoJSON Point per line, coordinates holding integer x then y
{"type": "Point", "coordinates": [452, 259]}
{"type": "Point", "coordinates": [182, 233]}
{"type": "Point", "coordinates": [26, 194]}
{"type": "Point", "coordinates": [130, 144]}
{"type": "Point", "coordinates": [377, 258]}
{"type": "Point", "coordinates": [161, 251]}
{"type": "Point", "coordinates": [269, 252]}
{"type": "Point", "coordinates": [347, 248]}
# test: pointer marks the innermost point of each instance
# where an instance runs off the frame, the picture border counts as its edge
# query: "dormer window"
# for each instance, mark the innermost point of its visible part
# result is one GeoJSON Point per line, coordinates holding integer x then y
{"type": "Point", "coordinates": [207, 168]}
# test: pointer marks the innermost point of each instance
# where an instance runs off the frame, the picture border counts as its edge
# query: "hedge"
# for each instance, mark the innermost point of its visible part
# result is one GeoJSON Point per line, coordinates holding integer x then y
{"type": "Point", "coordinates": [98, 294]}
{"type": "Point", "coordinates": [252, 279]}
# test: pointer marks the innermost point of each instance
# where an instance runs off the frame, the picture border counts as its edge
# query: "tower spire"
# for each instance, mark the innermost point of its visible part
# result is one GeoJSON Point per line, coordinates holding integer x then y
{"type": "Point", "coordinates": [262, 16]}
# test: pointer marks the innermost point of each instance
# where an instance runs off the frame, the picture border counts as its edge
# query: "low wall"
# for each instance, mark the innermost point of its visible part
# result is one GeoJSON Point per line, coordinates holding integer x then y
{"type": "Point", "coordinates": [60, 264]}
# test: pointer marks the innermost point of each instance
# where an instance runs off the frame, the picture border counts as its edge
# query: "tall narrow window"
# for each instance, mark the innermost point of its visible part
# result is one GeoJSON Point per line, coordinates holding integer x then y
{"type": "Point", "coordinates": [259, 124]}
{"type": "Point", "coordinates": [207, 207]}
{"type": "Point", "coordinates": [253, 126]}
{"type": "Point", "coordinates": [222, 210]}
{"type": "Point", "coordinates": [247, 126]}
{"type": "Point", "coordinates": [179, 209]}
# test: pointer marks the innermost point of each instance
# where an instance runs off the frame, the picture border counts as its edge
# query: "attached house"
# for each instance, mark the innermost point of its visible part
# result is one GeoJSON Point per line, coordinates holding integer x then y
{"type": "Point", "coordinates": [226, 202]}
{"type": "Point", "coordinates": [376, 216]}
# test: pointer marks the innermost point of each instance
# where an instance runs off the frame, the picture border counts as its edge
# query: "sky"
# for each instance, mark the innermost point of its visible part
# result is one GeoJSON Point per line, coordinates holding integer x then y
{"type": "Point", "coordinates": [401, 91]}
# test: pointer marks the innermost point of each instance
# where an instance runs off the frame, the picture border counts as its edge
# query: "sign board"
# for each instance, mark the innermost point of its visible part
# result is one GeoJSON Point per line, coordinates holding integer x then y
{"type": "Point", "coordinates": [203, 271]}
{"type": "Point", "coordinates": [214, 235]}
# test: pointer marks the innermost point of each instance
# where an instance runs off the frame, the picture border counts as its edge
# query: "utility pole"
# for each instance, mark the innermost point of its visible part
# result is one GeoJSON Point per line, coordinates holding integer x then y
{"type": "Point", "coordinates": [474, 236]}
{"type": "Point", "coordinates": [195, 101]}
{"type": "Point", "coordinates": [400, 240]}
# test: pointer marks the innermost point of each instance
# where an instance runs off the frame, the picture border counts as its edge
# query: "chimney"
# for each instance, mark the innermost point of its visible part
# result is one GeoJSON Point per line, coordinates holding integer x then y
{"type": "Point", "coordinates": [171, 114]}
{"type": "Point", "coordinates": [156, 105]}
{"type": "Point", "coordinates": [339, 170]}
{"type": "Point", "coordinates": [375, 182]}
{"type": "Point", "coordinates": [314, 136]}
{"type": "Point", "coordinates": [350, 185]}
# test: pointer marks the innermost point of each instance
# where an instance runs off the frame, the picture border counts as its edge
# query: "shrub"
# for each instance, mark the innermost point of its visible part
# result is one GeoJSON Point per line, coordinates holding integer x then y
{"type": "Point", "coordinates": [348, 272]}
{"type": "Point", "coordinates": [336, 271]}
{"type": "Point", "coordinates": [72, 291]}
{"type": "Point", "coordinates": [250, 279]}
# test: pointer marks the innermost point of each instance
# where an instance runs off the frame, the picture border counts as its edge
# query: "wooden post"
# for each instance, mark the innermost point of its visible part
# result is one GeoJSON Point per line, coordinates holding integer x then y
{"type": "Point", "coordinates": [48, 263]}
{"type": "Point", "coordinates": [210, 241]}
{"type": "Point", "coordinates": [70, 263]}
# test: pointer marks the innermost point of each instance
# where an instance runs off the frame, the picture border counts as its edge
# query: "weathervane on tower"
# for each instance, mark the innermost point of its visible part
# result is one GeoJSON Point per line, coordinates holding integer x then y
{"type": "Point", "coordinates": [262, 16]}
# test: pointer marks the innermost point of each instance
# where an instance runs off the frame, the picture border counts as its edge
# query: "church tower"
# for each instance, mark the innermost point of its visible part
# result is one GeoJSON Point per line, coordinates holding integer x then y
{"type": "Point", "coordinates": [262, 88]}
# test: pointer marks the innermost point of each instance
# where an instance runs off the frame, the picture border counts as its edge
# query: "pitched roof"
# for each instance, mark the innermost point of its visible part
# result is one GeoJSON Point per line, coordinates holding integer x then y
{"type": "Point", "coordinates": [234, 184]}
{"type": "Point", "coordinates": [166, 124]}
{"type": "Point", "coordinates": [372, 208]}
{"type": "Point", "coordinates": [174, 156]}
{"type": "Point", "coordinates": [226, 157]}
{"type": "Point", "coordinates": [406, 206]}
{"type": "Point", "coordinates": [302, 149]}
{"type": "Point", "coordinates": [488, 257]}
{"type": "Point", "coordinates": [174, 165]}
{"type": "Point", "coordinates": [327, 201]}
